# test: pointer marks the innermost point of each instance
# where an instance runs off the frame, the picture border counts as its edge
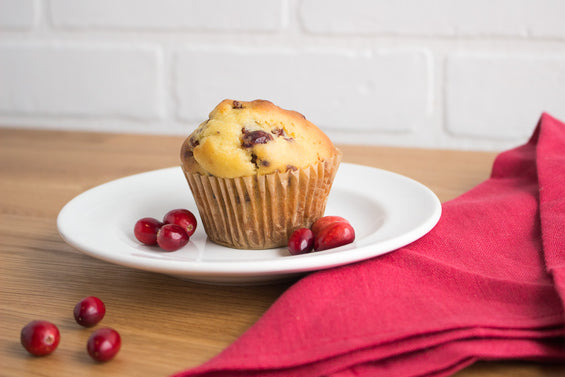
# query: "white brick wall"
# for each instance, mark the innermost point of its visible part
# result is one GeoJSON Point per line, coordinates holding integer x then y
{"type": "Point", "coordinates": [17, 14]}
{"type": "Point", "coordinates": [515, 89]}
{"type": "Point", "coordinates": [470, 74]}
{"type": "Point", "coordinates": [81, 80]}
{"type": "Point", "coordinates": [513, 18]}
{"type": "Point", "coordinates": [224, 15]}
{"type": "Point", "coordinates": [339, 89]}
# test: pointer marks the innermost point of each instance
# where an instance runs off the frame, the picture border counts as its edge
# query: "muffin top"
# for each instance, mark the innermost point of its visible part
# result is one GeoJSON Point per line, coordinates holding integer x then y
{"type": "Point", "coordinates": [246, 138]}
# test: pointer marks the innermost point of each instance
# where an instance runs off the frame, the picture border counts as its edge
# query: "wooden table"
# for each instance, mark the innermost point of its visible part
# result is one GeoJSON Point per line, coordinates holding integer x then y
{"type": "Point", "coordinates": [167, 324]}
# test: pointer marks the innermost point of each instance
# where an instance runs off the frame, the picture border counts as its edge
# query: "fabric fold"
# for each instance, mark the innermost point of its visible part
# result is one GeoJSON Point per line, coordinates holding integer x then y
{"type": "Point", "coordinates": [486, 283]}
{"type": "Point", "coordinates": [550, 138]}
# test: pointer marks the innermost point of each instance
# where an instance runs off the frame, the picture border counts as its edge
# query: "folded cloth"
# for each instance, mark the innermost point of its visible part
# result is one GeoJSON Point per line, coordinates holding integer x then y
{"type": "Point", "coordinates": [486, 283]}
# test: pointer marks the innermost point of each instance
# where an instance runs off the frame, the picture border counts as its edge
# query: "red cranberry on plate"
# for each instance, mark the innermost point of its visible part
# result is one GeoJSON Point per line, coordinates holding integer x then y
{"type": "Point", "coordinates": [171, 237]}
{"type": "Point", "coordinates": [301, 241]}
{"type": "Point", "coordinates": [183, 218]}
{"type": "Point", "coordinates": [322, 222]}
{"type": "Point", "coordinates": [145, 230]}
{"type": "Point", "coordinates": [334, 235]}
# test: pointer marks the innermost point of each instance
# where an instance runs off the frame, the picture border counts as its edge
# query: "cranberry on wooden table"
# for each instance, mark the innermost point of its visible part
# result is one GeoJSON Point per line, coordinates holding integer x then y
{"type": "Point", "coordinates": [89, 311]}
{"type": "Point", "coordinates": [40, 338]}
{"type": "Point", "coordinates": [104, 344]}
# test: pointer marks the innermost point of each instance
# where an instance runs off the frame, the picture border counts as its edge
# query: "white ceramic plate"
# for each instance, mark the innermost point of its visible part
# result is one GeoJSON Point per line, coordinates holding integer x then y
{"type": "Point", "coordinates": [386, 209]}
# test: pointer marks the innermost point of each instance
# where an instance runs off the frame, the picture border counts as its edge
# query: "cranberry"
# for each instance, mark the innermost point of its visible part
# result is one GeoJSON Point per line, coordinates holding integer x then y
{"type": "Point", "coordinates": [89, 311]}
{"type": "Point", "coordinates": [171, 237]}
{"type": "Point", "coordinates": [334, 235]}
{"type": "Point", "coordinates": [145, 230]}
{"type": "Point", "coordinates": [183, 218]}
{"type": "Point", "coordinates": [250, 138]}
{"type": "Point", "coordinates": [322, 222]}
{"type": "Point", "coordinates": [104, 344]}
{"type": "Point", "coordinates": [301, 241]}
{"type": "Point", "coordinates": [40, 337]}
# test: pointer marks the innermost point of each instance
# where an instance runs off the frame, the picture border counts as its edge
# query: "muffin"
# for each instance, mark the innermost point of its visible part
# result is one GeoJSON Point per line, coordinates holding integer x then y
{"type": "Point", "coordinates": [257, 173]}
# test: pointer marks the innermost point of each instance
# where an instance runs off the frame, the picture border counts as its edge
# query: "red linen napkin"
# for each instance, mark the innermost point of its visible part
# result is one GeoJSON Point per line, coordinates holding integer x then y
{"type": "Point", "coordinates": [485, 283]}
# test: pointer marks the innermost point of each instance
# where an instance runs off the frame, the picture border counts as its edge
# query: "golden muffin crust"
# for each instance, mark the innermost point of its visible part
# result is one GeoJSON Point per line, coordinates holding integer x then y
{"type": "Point", "coordinates": [240, 139]}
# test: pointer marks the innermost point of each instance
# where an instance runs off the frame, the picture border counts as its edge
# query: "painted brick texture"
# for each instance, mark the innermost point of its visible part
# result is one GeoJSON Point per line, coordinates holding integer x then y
{"type": "Point", "coordinates": [495, 96]}
{"type": "Point", "coordinates": [435, 17]}
{"type": "Point", "coordinates": [75, 80]}
{"type": "Point", "coordinates": [469, 74]}
{"type": "Point", "coordinates": [252, 15]}
{"type": "Point", "coordinates": [351, 88]}
{"type": "Point", "coordinates": [17, 14]}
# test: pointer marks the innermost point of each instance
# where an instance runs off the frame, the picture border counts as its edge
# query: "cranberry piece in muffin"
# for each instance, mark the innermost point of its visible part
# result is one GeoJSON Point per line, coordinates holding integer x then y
{"type": "Point", "coordinates": [250, 138]}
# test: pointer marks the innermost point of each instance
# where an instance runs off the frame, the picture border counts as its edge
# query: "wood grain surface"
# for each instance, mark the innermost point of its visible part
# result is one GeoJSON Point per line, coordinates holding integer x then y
{"type": "Point", "coordinates": [167, 324]}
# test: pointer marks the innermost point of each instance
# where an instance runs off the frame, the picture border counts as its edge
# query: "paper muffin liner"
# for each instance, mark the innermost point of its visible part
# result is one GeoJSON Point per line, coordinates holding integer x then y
{"type": "Point", "coordinates": [261, 211]}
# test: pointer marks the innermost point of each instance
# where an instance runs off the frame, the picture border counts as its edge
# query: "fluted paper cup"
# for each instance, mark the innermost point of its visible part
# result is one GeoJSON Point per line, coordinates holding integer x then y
{"type": "Point", "coordinates": [262, 211]}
